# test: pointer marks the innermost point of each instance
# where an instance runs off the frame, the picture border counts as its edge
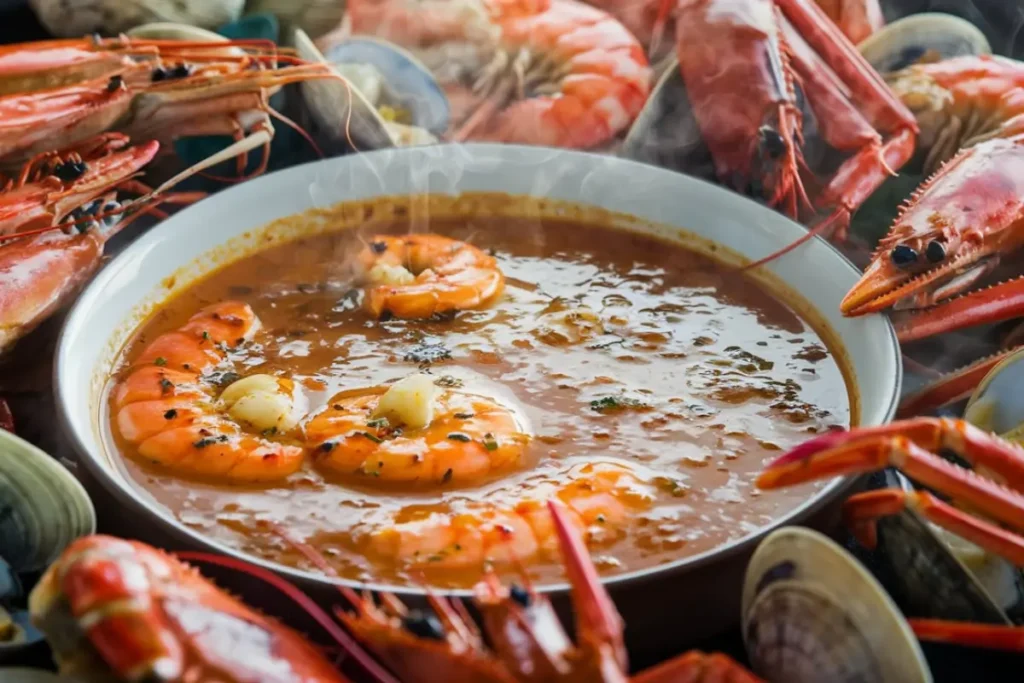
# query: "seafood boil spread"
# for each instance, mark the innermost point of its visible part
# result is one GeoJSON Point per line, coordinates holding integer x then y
{"type": "Point", "coordinates": [434, 424]}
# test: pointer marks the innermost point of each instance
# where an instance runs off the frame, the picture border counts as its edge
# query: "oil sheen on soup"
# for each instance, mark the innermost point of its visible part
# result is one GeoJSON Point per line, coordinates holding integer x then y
{"type": "Point", "coordinates": [652, 382]}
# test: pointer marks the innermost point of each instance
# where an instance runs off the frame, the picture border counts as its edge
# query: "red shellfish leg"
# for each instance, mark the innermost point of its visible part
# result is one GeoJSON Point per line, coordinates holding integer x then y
{"type": "Point", "coordinates": [955, 386]}
{"type": "Point", "coordinates": [598, 624]}
{"type": "Point", "coordinates": [863, 173]}
{"type": "Point", "coordinates": [906, 445]}
{"type": "Point", "coordinates": [863, 510]}
{"type": "Point", "coordinates": [986, 636]}
{"type": "Point", "coordinates": [697, 667]}
{"type": "Point", "coordinates": [997, 303]}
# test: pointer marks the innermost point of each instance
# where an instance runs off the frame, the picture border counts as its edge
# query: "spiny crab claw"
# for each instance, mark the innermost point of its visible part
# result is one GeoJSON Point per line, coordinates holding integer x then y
{"type": "Point", "coordinates": [909, 446]}
{"type": "Point", "coordinates": [951, 232]}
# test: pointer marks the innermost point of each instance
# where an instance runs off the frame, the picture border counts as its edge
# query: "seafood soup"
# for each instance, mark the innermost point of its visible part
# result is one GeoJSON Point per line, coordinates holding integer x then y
{"type": "Point", "coordinates": [404, 398]}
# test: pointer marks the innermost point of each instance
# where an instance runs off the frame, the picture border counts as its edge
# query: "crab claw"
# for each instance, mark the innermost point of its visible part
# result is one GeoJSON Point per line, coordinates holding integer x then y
{"type": "Point", "coordinates": [950, 234]}
{"type": "Point", "coordinates": [907, 445]}
{"type": "Point", "coordinates": [598, 624]}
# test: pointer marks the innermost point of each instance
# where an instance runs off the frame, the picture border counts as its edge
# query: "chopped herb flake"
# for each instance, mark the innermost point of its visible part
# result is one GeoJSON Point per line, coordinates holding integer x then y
{"type": "Point", "coordinates": [380, 422]}
{"type": "Point", "coordinates": [160, 360]}
{"type": "Point", "coordinates": [612, 403]}
{"type": "Point", "coordinates": [458, 436]}
{"type": "Point", "coordinates": [490, 443]}
{"type": "Point", "coordinates": [463, 416]}
{"type": "Point", "coordinates": [425, 353]}
{"type": "Point", "coordinates": [447, 475]}
{"type": "Point", "coordinates": [206, 335]}
{"type": "Point", "coordinates": [269, 431]}
{"type": "Point", "coordinates": [448, 381]}
{"type": "Point", "coordinates": [372, 437]}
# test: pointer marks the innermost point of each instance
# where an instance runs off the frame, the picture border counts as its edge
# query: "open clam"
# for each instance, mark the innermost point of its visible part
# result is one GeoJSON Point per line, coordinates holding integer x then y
{"type": "Point", "coordinates": [930, 36]}
{"type": "Point", "coordinates": [390, 99]}
{"type": "Point", "coordinates": [811, 612]}
{"type": "Point", "coordinates": [42, 509]}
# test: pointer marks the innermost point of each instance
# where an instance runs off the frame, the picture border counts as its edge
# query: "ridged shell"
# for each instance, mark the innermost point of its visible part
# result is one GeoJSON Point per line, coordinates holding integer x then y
{"type": "Point", "coordinates": [930, 34]}
{"type": "Point", "coordinates": [812, 613]}
{"type": "Point", "coordinates": [76, 18]}
{"type": "Point", "coordinates": [44, 506]}
{"type": "Point", "coordinates": [329, 100]}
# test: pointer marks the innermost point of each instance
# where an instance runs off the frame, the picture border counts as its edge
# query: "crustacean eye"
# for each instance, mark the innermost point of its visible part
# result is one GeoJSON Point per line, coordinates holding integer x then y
{"type": "Point", "coordinates": [935, 251]}
{"type": "Point", "coordinates": [772, 142]}
{"type": "Point", "coordinates": [903, 255]}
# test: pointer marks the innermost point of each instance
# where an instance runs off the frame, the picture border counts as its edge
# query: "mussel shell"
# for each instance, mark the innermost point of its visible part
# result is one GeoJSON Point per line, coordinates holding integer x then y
{"type": "Point", "coordinates": [42, 506]}
{"type": "Point", "coordinates": [329, 100]}
{"type": "Point", "coordinates": [931, 35]}
{"type": "Point", "coordinates": [926, 574]}
{"type": "Point", "coordinates": [997, 404]}
{"type": "Point", "coordinates": [811, 612]}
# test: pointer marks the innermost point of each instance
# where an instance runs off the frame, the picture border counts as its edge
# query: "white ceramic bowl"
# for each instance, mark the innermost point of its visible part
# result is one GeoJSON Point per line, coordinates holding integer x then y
{"type": "Point", "coordinates": [109, 309]}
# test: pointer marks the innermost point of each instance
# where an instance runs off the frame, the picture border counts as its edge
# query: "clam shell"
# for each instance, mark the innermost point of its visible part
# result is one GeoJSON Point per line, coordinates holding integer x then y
{"type": "Point", "coordinates": [44, 507]}
{"type": "Point", "coordinates": [811, 612]}
{"type": "Point", "coordinates": [166, 30]}
{"type": "Point", "coordinates": [329, 101]}
{"type": "Point", "coordinates": [997, 404]}
{"type": "Point", "coordinates": [930, 34]}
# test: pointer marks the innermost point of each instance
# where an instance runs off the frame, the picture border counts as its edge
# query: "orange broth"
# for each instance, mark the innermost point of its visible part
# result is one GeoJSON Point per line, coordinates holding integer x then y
{"type": "Point", "coordinates": [717, 374]}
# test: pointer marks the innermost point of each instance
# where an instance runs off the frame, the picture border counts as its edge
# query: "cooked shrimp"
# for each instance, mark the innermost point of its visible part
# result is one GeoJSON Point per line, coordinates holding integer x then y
{"type": "Point", "coordinates": [601, 498]}
{"type": "Point", "coordinates": [547, 72]}
{"type": "Point", "coordinates": [462, 439]}
{"type": "Point", "coordinates": [167, 407]}
{"type": "Point", "coordinates": [417, 276]}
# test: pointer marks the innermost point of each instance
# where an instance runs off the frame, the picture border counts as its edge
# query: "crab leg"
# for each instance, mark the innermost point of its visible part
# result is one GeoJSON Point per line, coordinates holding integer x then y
{"type": "Point", "coordinates": [955, 386]}
{"type": "Point", "coordinates": [598, 624]}
{"type": "Point", "coordinates": [984, 636]}
{"type": "Point", "coordinates": [906, 445]}
{"type": "Point", "coordinates": [990, 305]}
{"type": "Point", "coordinates": [863, 510]}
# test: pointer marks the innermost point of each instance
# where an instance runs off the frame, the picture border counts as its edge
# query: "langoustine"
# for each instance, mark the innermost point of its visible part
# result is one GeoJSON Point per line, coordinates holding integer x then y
{"type": "Point", "coordinates": [959, 225]}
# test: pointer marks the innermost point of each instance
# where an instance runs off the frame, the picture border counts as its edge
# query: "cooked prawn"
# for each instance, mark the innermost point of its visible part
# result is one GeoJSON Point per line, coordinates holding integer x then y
{"type": "Point", "coordinates": [546, 72]}
{"type": "Point", "coordinates": [601, 498]}
{"type": "Point", "coordinates": [167, 408]}
{"type": "Point", "coordinates": [467, 438]}
{"type": "Point", "coordinates": [417, 276]}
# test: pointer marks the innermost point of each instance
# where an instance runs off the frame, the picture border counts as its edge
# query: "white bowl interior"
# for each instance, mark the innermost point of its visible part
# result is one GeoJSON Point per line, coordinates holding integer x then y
{"type": "Point", "coordinates": [108, 311]}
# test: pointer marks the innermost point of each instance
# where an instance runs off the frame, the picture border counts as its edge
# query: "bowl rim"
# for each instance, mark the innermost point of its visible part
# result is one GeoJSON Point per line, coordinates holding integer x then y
{"type": "Point", "coordinates": [128, 495]}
